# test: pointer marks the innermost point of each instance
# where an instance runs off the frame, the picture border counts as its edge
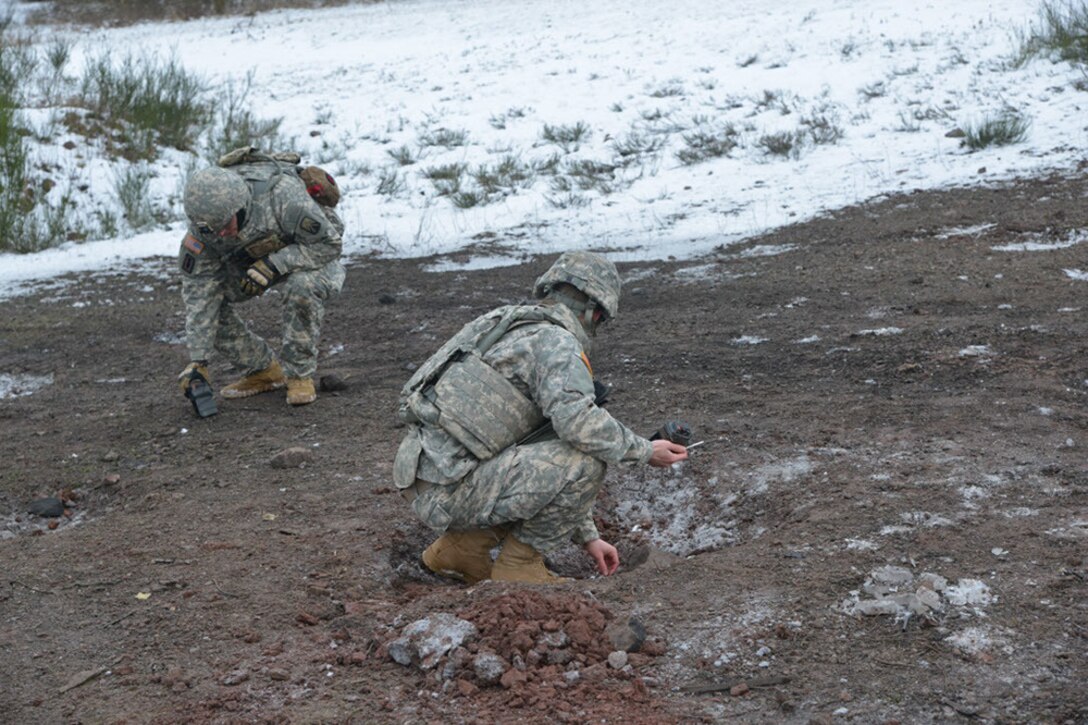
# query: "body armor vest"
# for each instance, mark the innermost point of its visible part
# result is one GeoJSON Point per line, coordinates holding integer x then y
{"type": "Point", "coordinates": [460, 393]}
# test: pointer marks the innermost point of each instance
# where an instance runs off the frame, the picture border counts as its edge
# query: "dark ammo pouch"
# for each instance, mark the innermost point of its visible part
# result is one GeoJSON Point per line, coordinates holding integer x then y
{"type": "Point", "coordinates": [201, 396]}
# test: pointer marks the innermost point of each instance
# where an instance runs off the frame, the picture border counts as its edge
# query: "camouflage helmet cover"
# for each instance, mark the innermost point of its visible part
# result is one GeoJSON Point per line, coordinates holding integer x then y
{"type": "Point", "coordinates": [213, 195]}
{"type": "Point", "coordinates": [590, 273]}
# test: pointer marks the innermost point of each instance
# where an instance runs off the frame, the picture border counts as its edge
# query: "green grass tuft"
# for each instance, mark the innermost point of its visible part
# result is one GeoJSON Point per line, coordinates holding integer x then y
{"type": "Point", "coordinates": [402, 155]}
{"type": "Point", "coordinates": [131, 186]}
{"type": "Point", "coordinates": [568, 138]}
{"type": "Point", "coordinates": [1008, 128]}
{"type": "Point", "coordinates": [234, 125]}
{"type": "Point", "coordinates": [506, 176]}
{"type": "Point", "coordinates": [447, 137]}
{"type": "Point", "coordinates": [708, 144]}
{"type": "Point", "coordinates": [148, 101]}
{"type": "Point", "coordinates": [390, 182]}
{"type": "Point", "coordinates": [786, 144]}
{"type": "Point", "coordinates": [446, 178]}
{"type": "Point", "coordinates": [1062, 28]}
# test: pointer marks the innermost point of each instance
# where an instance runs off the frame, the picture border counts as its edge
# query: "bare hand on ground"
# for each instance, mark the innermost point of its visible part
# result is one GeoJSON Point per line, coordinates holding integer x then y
{"type": "Point", "coordinates": [606, 556]}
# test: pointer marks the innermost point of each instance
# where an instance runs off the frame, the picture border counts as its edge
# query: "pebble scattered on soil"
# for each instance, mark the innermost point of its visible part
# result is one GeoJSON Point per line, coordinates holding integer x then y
{"type": "Point", "coordinates": [47, 507]}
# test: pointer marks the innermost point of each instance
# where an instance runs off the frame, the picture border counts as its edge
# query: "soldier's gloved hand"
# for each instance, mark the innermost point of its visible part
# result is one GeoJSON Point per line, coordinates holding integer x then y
{"type": "Point", "coordinates": [191, 371]}
{"type": "Point", "coordinates": [259, 277]}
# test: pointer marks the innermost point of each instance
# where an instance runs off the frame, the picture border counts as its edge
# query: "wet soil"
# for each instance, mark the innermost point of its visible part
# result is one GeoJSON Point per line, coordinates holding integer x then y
{"type": "Point", "coordinates": [891, 384]}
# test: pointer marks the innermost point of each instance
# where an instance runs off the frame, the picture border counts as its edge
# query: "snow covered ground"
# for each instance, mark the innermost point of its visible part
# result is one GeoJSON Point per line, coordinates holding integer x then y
{"type": "Point", "coordinates": [864, 94]}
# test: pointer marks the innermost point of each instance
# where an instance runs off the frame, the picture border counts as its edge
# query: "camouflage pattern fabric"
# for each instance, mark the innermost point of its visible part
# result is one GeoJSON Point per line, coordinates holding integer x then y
{"type": "Point", "coordinates": [309, 260]}
{"type": "Point", "coordinates": [545, 490]}
{"type": "Point", "coordinates": [544, 361]}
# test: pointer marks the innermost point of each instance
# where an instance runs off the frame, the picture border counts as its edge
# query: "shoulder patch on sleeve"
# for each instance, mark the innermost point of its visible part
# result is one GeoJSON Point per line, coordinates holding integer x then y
{"type": "Point", "coordinates": [310, 225]}
{"type": "Point", "coordinates": [187, 263]}
{"type": "Point", "coordinates": [585, 359]}
{"type": "Point", "coordinates": [193, 244]}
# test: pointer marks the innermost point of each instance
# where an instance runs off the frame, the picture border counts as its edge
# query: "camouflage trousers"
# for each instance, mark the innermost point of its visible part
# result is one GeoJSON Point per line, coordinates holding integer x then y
{"type": "Point", "coordinates": [304, 295]}
{"type": "Point", "coordinates": [545, 490]}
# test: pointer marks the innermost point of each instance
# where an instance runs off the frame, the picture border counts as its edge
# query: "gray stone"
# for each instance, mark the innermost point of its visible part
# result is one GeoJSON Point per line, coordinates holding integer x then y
{"type": "Point", "coordinates": [891, 576]}
{"type": "Point", "coordinates": [627, 636]}
{"type": "Point", "coordinates": [651, 557]}
{"type": "Point", "coordinates": [559, 656]}
{"type": "Point", "coordinates": [929, 598]}
{"type": "Point", "coordinates": [400, 650]}
{"type": "Point", "coordinates": [887, 580]}
{"type": "Point", "coordinates": [617, 660]}
{"type": "Point", "coordinates": [873, 607]}
{"type": "Point", "coordinates": [426, 640]}
{"type": "Point", "coordinates": [554, 639]}
{"type": "Point", "coordinates": [48, 507]}
{"type": "Point", "coordinates": [455, 663]}
{"type": "Point", "coordinates": [235, 677]}
{"type": "Point", "coordinates": [936, 582]}
{"type": "Point", "coordinates": [332, 383]}
{"type": "Point", "coordinates": [489, 668]}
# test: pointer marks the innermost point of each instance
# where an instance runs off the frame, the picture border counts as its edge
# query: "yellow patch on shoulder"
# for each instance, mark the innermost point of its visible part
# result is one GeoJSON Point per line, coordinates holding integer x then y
{"type": "Point", "coordinates": [589, 367]}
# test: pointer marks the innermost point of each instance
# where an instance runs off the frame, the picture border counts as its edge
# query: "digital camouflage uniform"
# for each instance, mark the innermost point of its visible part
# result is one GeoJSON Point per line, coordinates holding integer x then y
{"type": "Point", "coordinates": [545, 489]}
{"type": "Point", "coordinates": [212, 268]}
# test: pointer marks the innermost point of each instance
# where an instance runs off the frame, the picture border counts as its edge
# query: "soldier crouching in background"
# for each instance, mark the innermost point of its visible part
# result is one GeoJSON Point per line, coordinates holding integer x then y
{"type": "Point", "coordinates": [466, 464]}
{"type": "Point", "coordinates": [256, 222]}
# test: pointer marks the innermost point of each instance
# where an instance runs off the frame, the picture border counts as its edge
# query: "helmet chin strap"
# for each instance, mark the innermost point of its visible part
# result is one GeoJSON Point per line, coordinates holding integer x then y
{"type": "Point", "coordinates": [582, 310]}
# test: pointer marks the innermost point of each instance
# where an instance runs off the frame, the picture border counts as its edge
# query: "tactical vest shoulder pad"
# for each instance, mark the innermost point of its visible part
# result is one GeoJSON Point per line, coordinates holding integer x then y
{"type": "Point", "coordinates": [250, 154]}
{"type": "Point", "coordinates": [477, 336]}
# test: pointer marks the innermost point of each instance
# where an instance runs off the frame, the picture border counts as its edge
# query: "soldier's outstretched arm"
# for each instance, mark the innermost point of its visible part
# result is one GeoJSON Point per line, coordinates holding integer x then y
{"type": "Point", "coordinates": [563, 388]}
{"type": "Point", "coordinates": [667, 453]}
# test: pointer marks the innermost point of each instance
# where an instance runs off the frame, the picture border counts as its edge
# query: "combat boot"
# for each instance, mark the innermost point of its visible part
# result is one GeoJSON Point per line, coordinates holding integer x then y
{"type": "Point", "coordinates": [463, 555]}
{"type": "Point", "coordinates": [519, 562]}
{"type": "Point", "coordinates": [261, 381]}
{"type": "Point", "coordinates": [300, 391]}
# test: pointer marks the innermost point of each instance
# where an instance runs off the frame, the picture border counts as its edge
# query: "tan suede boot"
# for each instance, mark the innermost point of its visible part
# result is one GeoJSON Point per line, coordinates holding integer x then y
{"type": "Point", "coordinates": [300, 391]}
{"type": "Point", "coordinates": [463, 555]}
{"type": "Point", "coordinates": [519, 562]}
{"type": "Point", "coordinates": [262, 381]}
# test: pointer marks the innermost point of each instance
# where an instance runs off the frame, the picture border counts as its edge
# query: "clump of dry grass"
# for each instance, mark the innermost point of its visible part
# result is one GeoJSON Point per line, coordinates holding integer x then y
{"type": "Point", "coordinates": [112, 13]}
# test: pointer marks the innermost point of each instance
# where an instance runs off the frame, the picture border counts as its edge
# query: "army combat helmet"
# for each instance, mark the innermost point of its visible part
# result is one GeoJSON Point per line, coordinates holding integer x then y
{"type": "Point", "coordinates": [213, 196]}
{"type": "Point", "coordinates": [589, 273]}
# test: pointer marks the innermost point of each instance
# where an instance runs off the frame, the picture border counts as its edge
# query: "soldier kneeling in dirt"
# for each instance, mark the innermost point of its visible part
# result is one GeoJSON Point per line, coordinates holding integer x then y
{"type": "Point", "coordinates": [257, 222]}
{"type": "Point", "coordinates": [465, 464]}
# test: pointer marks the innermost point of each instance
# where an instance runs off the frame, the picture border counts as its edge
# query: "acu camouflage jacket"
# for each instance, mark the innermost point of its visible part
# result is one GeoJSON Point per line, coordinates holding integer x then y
{"type": "Point", "coordinates": [211, 266]}
{"type": "Point", "coordinates": [545, 362]}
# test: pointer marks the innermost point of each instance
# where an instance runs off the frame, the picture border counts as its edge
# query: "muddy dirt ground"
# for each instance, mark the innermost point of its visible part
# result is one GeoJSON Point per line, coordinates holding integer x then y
{"type": "Point", "coordinates": [900, 384]}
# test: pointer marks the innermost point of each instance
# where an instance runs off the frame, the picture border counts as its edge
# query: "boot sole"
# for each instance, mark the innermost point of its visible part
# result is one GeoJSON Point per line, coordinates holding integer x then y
{"type": "Point", "coordinates": [236, 394]}
{"type": "Point", "coordinates": [449, 573]}
{"type": "Point", "coordinates": [433, 567]}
